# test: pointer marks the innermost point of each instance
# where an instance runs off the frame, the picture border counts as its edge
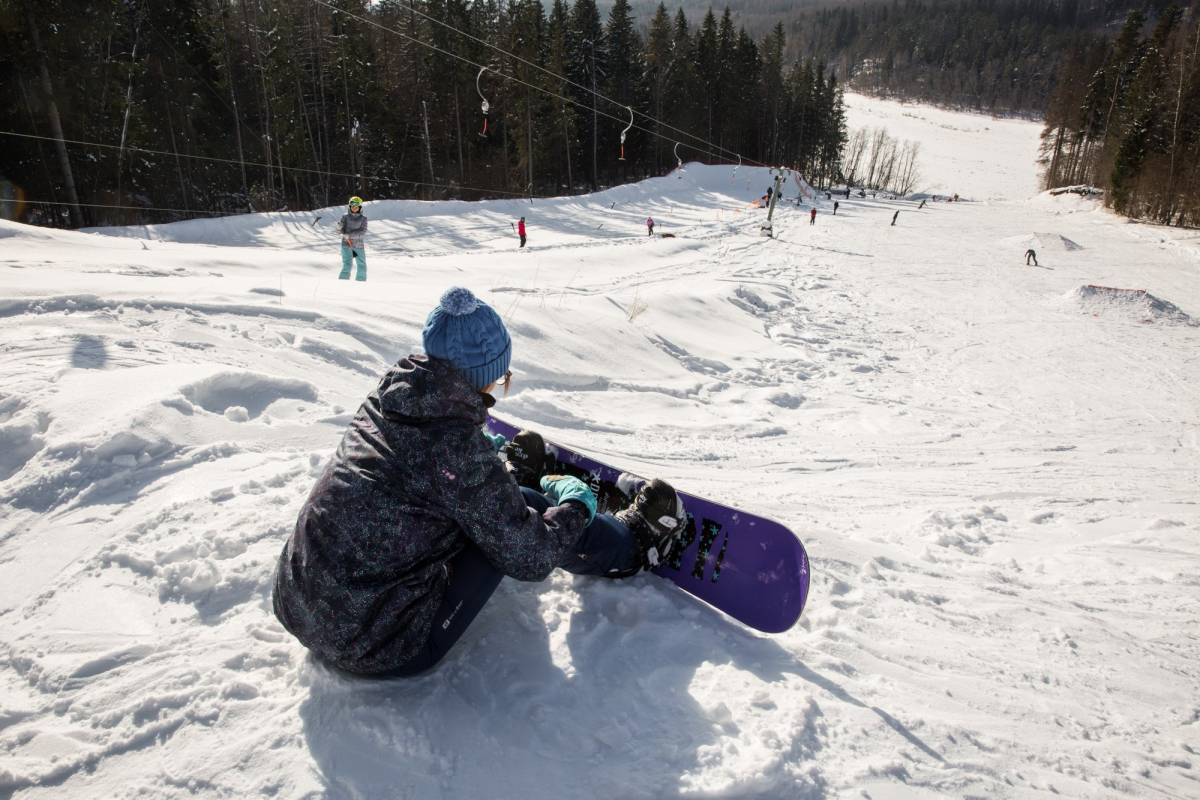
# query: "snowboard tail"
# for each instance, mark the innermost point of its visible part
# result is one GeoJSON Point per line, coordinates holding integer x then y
{"type": "Point", "coordinates": [752, 568]}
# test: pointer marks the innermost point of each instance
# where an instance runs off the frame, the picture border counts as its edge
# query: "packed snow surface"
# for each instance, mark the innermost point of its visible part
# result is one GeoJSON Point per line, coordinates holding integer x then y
{"type": "Point", "coordinates": [974, 156]}
{"type": "Point", "coordinates": [997, 486]}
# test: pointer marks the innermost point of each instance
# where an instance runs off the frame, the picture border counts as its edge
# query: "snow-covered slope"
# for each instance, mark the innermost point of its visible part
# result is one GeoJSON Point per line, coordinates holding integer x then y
{"type": "Point", "coordinates": [993, 467]}
{"type": "Point", "coordinates": [977, 157]}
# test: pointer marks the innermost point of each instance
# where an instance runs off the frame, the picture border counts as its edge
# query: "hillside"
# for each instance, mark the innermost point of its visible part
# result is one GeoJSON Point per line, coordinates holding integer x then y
{"type": "Point", "coordinates": [994, 470]}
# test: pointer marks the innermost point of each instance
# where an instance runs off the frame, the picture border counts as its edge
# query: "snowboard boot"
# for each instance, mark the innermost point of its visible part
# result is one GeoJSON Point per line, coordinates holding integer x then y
{"type": "Point", "coordinates": [656, 517]}
{"type": "Point", "coordinates": [527, 460]}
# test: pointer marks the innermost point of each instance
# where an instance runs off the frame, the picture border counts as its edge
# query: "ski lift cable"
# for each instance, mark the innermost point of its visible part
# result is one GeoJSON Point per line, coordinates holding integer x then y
{"type": "Point", "coordinates": [552, 74]}
{"type": "Point", "coordinates": [265, 166]}
{"type": "Point", "coordinates": [255, 134]}
{"type": "Point", "coordinates": [133, 208]}
{"type": "Point", "coordinates": [513, 78]}
{"type": "Point", "coordinates": [465, 60]}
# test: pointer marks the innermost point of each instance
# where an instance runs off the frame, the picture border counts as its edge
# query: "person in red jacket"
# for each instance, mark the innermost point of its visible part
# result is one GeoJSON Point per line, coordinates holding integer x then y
{"type": "Point", "coordinates": [812, 216]}
{"type": "Point", "coordinates": [521, 231]}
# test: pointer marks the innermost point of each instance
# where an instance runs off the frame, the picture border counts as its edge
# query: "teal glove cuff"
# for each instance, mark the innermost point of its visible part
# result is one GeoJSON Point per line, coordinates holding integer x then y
{"type": "Point", "coordinates": [563, 488]}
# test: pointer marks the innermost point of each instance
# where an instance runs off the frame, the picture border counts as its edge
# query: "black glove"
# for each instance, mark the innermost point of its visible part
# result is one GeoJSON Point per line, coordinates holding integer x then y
{"type": "Point", "coordinates": [527, 458]}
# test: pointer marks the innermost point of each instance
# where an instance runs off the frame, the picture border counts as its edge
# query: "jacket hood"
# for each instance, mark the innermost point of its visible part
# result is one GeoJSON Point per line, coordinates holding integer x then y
{"type": "Point", "coordinates": [420, 388]}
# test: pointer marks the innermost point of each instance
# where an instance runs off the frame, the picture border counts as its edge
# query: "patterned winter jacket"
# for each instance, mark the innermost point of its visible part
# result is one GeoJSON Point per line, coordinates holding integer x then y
{"type": "Point", "coordinates": [413, 480]}
{"type": "Point", "coordinates": [354, 227]}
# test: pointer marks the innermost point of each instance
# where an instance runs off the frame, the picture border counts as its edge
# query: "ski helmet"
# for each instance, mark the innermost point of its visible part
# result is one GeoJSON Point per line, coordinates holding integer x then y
{"type": "Point", "coordinates": [356, 201]}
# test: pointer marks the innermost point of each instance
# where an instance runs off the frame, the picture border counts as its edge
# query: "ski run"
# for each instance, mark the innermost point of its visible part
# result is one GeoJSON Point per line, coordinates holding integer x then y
{"type": "Point", "coordinates": [993, 467]}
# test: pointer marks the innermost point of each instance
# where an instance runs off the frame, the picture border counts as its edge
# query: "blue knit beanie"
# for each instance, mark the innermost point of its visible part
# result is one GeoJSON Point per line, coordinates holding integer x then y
{"type": "Point", "coordinates": [469, 334]}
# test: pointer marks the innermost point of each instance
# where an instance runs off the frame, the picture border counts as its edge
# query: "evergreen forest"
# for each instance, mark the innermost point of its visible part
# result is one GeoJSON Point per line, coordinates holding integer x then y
{"type": "Point", "coordinates": [1125, 118]}
{"type": "Point", "coordinates": [116, 111]}
{"type": "Point", "coordinates": [123, 111]}
{"type": "Point", "coordinates": [993, 56]}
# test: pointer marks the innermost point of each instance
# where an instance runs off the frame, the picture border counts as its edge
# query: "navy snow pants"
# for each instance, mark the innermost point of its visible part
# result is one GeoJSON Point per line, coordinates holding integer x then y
{"type": "Point", "coordinates": [606, 546]}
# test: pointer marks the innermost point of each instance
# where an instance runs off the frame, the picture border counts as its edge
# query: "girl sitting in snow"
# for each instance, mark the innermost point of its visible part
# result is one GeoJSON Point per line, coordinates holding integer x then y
{"type": "Point", "coordinates": [416, 518]}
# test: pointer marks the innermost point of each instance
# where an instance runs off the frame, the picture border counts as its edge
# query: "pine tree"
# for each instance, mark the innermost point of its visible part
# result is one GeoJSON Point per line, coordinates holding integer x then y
{"type": "Point", "coordinates": [563, 121]}
{"type": "Point", "coordinates": [660, 63]}
{"type": "Point", "coordinates": [624, 80]}
{"type": "Point", "coordinates": [706, 61]}
{"type": "Point", "coordinates": [588, 68]}
{"type": "Point", "coordinates": [773, 91]}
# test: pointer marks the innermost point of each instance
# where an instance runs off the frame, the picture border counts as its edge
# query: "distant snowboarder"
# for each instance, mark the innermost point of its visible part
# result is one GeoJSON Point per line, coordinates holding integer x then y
{"type": "Point", "coordinates": [413, 523]}
{"type": "Point", "coordinates": [649, 226]}
{"type": "Point", "coordinates": [894, 216]}
{"type": "Point", "coordinates": [521, 230]}
{"type": "Point", "coordinates": [921, 206]}
{"type": "Point", "coordinates": [1030, 254]}
{"type": "Point", "coordinates": [812, 216]}
{"type": "Point", "coordinates": [353, 228]}
{"type": "Point", "coordinates": [835, 207]}
{"type": "Point", "coordinates": [956, 197]}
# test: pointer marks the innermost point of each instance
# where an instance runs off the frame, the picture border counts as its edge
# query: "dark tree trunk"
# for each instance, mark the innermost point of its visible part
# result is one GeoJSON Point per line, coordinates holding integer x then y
{"type": "Point", "coordinates": [64, 161]}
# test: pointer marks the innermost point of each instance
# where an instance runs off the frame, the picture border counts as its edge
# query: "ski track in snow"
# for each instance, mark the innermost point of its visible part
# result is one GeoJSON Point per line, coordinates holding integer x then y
{"type": "Point", "coordinates": [994, 471]}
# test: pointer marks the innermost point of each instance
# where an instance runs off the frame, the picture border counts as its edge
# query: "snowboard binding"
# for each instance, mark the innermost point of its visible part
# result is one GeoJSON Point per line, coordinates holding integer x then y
{"type": "Point", "coordinates": [527, 459]}
{"type": "Point", "coordinates": [657, 518]}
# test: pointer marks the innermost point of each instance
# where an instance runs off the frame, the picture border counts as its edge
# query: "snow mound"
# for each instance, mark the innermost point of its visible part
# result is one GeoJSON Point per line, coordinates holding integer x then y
{"type": "Point", "coordinates": [1134, 304]}
{"type": "Point", "coordinates": [1070, 200]}
{"type": "Point", "coordinates": [241, 396]}
{"type": "Point", "coordinates": [1043, 242]}
{"type": "Point", "coordinates": [1054, 241]}
{"type": "Point", "coordinates": [1082, 191]}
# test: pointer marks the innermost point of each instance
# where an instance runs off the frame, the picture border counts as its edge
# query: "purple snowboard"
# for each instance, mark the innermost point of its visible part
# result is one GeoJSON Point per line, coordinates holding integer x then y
{"type": "Point", "coordinates": [753, 569]}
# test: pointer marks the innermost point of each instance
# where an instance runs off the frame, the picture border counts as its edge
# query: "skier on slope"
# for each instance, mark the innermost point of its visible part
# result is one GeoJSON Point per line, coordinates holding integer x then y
{"type": "Point", "coordinates": [412, 524]}
{"type": "Point", "coordinates": [812, 216]}
{"type": "Point", "coordinates": [353, 228]}
{"type": "Point", "coordinates": [649, 226]}
{"type": "Point", "coordinates": [835, 207]}
{"type": "Point", "coordinates": [894, 216]}
{"type": "Point", "coordinates": [1030, 254]}
{"type": "Point", "coordinates": [521, 230]}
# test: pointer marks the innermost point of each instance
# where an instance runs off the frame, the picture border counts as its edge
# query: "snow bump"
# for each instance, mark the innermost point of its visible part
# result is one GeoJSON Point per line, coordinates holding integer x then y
{"type": "Point", "coordinates": [242, 396]}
